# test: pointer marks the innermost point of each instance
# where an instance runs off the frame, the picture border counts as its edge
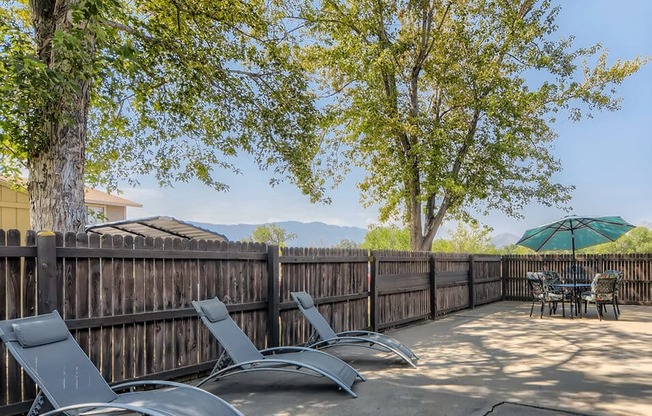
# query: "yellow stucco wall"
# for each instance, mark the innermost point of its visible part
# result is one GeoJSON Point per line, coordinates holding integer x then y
{"type": "Point", "coordinates": [14, 209]}
{"type": "Point", "coordinates": [115, 213]}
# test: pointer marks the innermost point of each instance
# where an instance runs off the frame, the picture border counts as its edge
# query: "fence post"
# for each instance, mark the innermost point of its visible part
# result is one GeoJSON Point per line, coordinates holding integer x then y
{"type": "Point", "coordinates": [273, 296]}
{"type": "Point", "coordinates": [433, 288]}
{"type": "Point", "coordinates": [373, 289]}
{"type": "Point", "coordinates": [471, 281]}
{"type": "Point", "coordinates": [49, 295]}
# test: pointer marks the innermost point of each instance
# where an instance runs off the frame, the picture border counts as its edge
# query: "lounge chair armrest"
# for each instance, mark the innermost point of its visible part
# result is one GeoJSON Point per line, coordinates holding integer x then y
{"type": "Point", "coordinates": [131, 384]}
{"type": "Point", "coordinates": [358, 332]}
{"type": "Point", "coordinates": [273, 350]}
{"type": "Point", "coordinates": [128, 407]}
{"type": "Point", "coordinates": [164, 383]}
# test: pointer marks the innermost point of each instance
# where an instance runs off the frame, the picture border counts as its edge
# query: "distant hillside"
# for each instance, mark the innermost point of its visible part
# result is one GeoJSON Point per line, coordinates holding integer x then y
{"type": "Point", "coordinates": [312, 234]}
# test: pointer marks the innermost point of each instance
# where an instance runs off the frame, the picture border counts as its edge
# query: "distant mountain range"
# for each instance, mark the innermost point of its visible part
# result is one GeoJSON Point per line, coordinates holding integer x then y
{"type": "Point", "coordinates": [319, 234]}
{"type": "Point", "coordinates": [311, 234]}
{"type": "Point", "coordinates": [504, 239]}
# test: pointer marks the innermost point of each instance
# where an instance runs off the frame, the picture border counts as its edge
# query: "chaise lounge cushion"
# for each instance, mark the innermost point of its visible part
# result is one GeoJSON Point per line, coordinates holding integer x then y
{"type": "Point", "coordinates": [305, 300]}
{"type": "Point", "coordinates": [43, 332]}
{"type": "Point", "coordinates": [215, 311]}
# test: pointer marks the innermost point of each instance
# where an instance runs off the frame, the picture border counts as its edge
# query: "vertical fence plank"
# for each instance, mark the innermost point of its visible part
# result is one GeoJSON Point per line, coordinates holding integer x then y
{"type": "Point", "coordinates": [126, 307]}
{"type": "Point", "coordinates": [433, 287]}
{"type": "Point", "coordinates": [472, 282]}
{"type": "Point", "coordinates": [14, 310]}
{"type": "Point", "coordinates": [273, 296]}
{"type": "Point", "coordinates": [158, 342]}
{"type": "Point", "coordinates": [95, 301]}
{"type": "Point", "coordinates": [108, 287]}
{"type": "Point", "coordinates": [139, 293]}
{"type": "Point", "coordinates": [150, 295]}
{"type": "Point", "coordinates": [4, 393]}
{"type": "Point", "coordinates": [374, 291]}
{"type": "Point", "coordinates": [82, 290]}
{"type": "Point", "coordinates": [48, 293]}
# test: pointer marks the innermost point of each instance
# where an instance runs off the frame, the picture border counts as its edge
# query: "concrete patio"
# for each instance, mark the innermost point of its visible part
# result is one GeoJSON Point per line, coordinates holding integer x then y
{"type": "Point", "coordinates": [492, 360]}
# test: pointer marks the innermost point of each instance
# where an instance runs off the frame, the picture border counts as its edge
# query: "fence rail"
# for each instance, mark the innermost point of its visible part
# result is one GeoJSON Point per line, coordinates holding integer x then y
{"type": "Point", "coordinates": [127, 300]}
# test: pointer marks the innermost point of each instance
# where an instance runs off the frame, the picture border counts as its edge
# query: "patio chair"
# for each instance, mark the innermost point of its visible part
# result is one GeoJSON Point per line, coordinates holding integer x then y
{"type": "Point", "coordinates": [602, 293]}
{"type": "Point", "coordinates": [70, 382]}
{"type": "Point", "coordinates": [324, 336]}
{"type": "Point", "coordinates": [619, 281]}
{"type": "Point", "coordinates": [541, 294]}
{"type": "Point", "coordinates": [244, 357]}
{"type": "Point", "coordinates": [551, 280]}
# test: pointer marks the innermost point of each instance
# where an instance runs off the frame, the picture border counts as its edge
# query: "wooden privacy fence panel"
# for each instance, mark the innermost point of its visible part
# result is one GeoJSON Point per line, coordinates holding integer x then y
{"type": "Point", "coordinates": [636, 287]}
{"type": "Point", "coordinates": [18, 298]}
{"type": "Point", "coordinates": [337, 279]}
{"type": "Point", "coordinates": [127, 300]}
{"type": "Point", "coordinates": [487, 281]}
{"type": "Point", "coordinates": [452, 280]}
{"type": "Point", "coordinates": [400, 285]}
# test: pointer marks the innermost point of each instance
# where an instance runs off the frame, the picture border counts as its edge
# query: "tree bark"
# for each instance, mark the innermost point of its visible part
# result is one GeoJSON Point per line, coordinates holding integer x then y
{"type": "Point", "coordinates": [56, 165]}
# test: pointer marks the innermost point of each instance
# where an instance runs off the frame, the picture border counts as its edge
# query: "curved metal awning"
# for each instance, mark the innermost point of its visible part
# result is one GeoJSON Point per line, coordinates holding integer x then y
{"type": "Point", "coordinates": [160, 226]}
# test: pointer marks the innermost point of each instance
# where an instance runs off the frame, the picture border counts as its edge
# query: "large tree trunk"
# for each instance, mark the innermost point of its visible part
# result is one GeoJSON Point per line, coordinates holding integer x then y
{"type": "Point", "coordinates": [56, 167]}
{"type": "Point", "coordinates": [56, 178]}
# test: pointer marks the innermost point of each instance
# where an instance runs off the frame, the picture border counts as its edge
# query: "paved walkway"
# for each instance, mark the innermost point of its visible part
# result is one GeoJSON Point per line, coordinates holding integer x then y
{"type": "Point", "coordinates": [494, 360]}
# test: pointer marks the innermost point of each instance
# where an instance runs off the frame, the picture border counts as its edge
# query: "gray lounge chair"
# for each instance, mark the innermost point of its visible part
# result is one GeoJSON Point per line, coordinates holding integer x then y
{"type": "Point", "coordinates": [324, 336]}
{"type": "Point", "coordinates": [245, 357]}
{"type": "Point", "coordinates": [70, 382]}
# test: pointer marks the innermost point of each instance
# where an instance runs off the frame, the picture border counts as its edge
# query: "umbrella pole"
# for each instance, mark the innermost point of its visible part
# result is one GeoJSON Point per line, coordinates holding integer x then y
{"type": "Point", "coordinates": [575, 295]}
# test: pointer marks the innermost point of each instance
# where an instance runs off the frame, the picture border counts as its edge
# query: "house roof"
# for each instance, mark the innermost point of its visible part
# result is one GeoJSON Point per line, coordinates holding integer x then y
{"type": "Point", "coordinates": [91, 196]}
{"type": "Point", "coordinates": [160, 226]}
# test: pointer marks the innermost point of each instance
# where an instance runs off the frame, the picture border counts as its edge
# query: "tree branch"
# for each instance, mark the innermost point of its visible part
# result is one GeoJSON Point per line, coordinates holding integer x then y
{"type": "Point", "coordinates": [128, 29]}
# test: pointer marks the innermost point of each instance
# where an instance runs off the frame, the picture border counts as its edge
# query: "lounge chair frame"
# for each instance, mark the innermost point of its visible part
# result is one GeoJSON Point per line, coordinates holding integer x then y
{"type": "Point", "coordinates": [13, 346]}
{"type": "Point", "coordinates": [270, 359]}
{"type": "Point", "coordinates": [323, 335]}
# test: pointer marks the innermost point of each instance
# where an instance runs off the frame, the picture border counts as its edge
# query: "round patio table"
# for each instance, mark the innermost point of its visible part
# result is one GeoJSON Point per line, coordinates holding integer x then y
{"type": "Point", "coordinates": [576, 290]}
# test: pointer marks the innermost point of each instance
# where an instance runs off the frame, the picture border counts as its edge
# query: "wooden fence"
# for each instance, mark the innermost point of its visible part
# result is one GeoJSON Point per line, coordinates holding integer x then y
{"type": "Point", "coordinates": [636, 287]}
{"type": "Point", "coordinates": [127, 300]}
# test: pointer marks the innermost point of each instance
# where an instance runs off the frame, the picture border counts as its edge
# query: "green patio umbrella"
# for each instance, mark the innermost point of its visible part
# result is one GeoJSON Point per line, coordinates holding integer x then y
{"type": "Point", "coordinates": [574, 232]}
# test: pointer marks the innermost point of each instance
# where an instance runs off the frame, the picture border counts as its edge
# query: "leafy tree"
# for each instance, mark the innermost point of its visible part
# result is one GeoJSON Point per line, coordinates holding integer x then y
{"type": "Point", "coordinates": [387, 238]}
{"type": "Point", "coordinates": [514, 249]}
{"type": "Point", "coordinates": [472, 238]}
{"type": "Point", "coordinates": [637, 240]}
{"type": "Point", "coordinates": [101, 90]}
{"type": "Point", "coordinates": [271, 234]}
{"type": "Point", "coordinates": [450, 104]}
{"type": "Point", "coordinates": [348, 244]}
{"type": "Point", "coordinates": [441, 245]}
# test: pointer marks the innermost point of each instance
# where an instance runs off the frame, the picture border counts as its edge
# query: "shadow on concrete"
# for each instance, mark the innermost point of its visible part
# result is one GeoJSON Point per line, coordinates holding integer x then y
{"type": "Point", "coordinates": [493, 360]}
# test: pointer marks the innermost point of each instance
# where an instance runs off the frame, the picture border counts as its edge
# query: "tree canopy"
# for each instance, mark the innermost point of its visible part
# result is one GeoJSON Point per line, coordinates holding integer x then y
{"type": "Point", "coordinates": [95, 91]}
{"type": "Point", "coordinates": [450, 105]}
{"type": "Point", "coordinates": [466, 238]}
{"type": "Point", "coordinates": [271, 234]}
{"type": "Point", "coordinates": [387, 238]}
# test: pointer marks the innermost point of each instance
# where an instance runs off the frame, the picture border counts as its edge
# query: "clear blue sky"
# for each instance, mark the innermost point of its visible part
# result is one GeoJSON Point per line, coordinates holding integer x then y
{"type": "Point", "coordinates": [608, 158]}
